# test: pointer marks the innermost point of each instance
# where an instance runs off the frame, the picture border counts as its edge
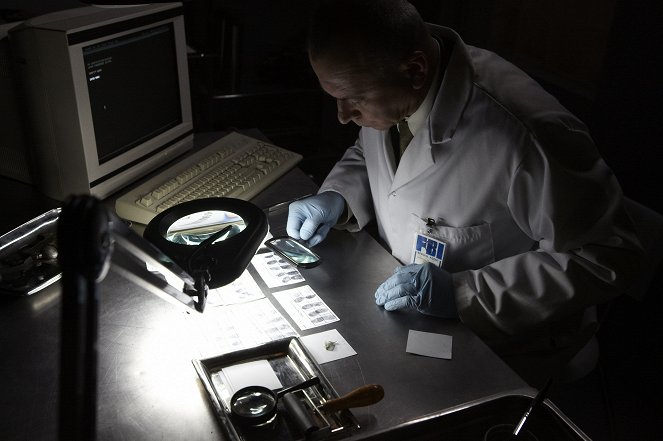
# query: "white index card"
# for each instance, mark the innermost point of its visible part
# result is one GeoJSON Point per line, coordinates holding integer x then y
{"type": "Point", "coordinates": [429, 344]}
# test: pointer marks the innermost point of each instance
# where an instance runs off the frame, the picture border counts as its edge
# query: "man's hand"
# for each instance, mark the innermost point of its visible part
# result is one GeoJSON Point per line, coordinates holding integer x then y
{"type": "Point", "coordinates": [423, 287]}
{"type": "Point", "coordinates": [311, 219]}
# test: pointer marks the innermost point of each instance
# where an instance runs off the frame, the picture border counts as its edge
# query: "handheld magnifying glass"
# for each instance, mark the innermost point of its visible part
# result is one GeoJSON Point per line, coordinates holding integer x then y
{"type": "Point", "coordinates": [255, 406]}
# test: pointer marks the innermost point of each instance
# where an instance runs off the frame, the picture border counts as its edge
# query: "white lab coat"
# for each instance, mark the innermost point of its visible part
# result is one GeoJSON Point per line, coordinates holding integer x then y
{"type": "Point", "coordinates": [532, 216]}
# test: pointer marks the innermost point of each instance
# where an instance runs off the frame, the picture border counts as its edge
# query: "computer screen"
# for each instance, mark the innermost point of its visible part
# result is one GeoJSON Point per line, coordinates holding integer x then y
{"type": "Point", "coordinates": [132, 78]}
{"type": "Point", "coordinates": [106, 94]}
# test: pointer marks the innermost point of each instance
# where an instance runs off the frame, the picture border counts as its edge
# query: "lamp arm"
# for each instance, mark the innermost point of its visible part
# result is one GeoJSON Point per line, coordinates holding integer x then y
{"type": "Point", "coordinates": [165, 278]}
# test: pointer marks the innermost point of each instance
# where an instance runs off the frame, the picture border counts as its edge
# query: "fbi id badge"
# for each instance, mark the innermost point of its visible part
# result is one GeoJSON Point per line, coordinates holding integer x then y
{"type": "Point", "coordinates": [428, 248]}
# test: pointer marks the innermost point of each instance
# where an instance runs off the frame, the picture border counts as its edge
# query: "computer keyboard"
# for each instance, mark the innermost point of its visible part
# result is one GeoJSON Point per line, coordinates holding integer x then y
{"type": "Point", "coordinates": [235, 166]}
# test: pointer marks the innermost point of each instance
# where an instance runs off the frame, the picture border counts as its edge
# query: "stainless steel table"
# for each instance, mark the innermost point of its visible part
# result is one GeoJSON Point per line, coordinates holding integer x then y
{"type": "Point", "coordinates": [149, 390]}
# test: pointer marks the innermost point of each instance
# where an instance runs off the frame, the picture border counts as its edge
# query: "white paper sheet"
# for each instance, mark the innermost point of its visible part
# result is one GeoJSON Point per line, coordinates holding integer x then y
{"type": "Point", "coordinates": [252, 373]}
{"type": "Point", "coordinates": [245, 325]}
{"type": "Point", "coordinates": [429, 344]}
{"type": "Point", "coordinates": [276, 271]}
{"type": "Point", "coordinates": [305, 307]}
{"type": "Point", "coordinates": [243, 289]}
{"type": "Point", "coordinates": [327, 346]}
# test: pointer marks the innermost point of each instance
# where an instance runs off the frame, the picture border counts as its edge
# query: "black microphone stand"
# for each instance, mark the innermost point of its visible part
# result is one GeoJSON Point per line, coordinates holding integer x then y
{"type": "Point", "coordinates": [85, 247]}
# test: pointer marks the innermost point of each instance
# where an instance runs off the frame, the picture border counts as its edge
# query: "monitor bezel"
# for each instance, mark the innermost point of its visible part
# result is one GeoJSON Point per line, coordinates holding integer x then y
{"type": "Point", "coordinates": [97, 170]}
{"type": "Point", "coordinates": [47, 62]}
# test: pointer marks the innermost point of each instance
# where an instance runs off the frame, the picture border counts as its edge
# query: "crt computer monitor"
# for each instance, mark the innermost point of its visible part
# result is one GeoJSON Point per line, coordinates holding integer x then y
{"type": "Point", "coordinates": [105, 93]}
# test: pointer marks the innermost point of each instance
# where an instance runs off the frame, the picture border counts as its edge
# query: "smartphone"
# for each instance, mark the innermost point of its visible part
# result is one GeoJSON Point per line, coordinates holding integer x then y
{"type": "Point", "coordinates": [294, 251]}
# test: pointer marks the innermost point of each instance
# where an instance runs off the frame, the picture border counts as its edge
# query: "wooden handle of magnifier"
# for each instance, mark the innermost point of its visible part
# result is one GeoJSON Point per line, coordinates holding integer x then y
{"type": "Point", "coordinates": [362, 396]}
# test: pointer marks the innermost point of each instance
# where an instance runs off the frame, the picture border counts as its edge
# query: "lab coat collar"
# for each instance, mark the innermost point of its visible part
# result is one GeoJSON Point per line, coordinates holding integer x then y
{"type": "Point", "coordinates": [417, 158]}
{"type": "Point", "coordinates": [455, 90]}
{"type": "Point", "coordinates": [452, 98]}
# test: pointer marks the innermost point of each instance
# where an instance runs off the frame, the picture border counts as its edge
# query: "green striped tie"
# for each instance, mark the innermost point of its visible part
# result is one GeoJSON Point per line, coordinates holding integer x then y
{"type": "Point", "coordinates": [405, 136]}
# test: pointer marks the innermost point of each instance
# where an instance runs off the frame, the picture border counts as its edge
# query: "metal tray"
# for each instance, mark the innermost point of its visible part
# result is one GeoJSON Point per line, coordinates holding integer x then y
{"type": "Point", "coordinates": [292, 364]}
{"type": "Point", "coordinates": [25, 265]}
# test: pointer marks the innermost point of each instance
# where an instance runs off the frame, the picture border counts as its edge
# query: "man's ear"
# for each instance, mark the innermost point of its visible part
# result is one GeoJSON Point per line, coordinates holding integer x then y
{"type": "Point", "coordinates": [416, 68]}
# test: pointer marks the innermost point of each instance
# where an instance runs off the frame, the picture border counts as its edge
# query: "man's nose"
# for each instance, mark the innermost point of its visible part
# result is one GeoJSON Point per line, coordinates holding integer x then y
{"type": "Point", "coordinates": [346, 111]}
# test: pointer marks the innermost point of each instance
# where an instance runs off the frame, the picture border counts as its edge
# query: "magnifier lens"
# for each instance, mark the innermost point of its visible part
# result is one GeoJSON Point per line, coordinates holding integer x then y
{"type": "Point", "coordinates": [253, 404]}
{"type": "Point", "coordinates": [194, 228]}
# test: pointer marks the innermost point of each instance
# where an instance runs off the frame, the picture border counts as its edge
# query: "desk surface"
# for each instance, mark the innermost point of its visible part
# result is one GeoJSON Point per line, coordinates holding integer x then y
{"type": "Point", "coordinates": [149, 390]}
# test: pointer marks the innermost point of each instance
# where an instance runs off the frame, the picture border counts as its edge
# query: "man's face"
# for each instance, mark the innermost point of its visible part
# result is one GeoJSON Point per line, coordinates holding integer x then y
{"type": "Point", "coordinates": [361, 97]}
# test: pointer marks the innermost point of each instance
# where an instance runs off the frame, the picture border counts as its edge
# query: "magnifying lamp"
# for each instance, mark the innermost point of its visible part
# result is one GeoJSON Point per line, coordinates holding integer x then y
{"type": "Point", "coordinates": [201, 244]}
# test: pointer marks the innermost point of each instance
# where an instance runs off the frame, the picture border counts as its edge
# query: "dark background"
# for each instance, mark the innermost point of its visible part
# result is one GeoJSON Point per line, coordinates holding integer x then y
{"type": "Point", "coordinates": [600, 58]}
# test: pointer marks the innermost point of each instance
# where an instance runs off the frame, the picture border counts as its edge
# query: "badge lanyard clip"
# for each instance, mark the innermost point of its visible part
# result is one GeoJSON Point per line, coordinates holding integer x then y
{"type": "Point", "coordinates": [428, 247]}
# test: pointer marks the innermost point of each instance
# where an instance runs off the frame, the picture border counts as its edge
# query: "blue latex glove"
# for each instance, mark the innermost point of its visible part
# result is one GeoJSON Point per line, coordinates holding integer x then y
{"type": "Point", "coordinates": [423, 287]}
{"type": "Point", "coordinates": [311, 219]}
